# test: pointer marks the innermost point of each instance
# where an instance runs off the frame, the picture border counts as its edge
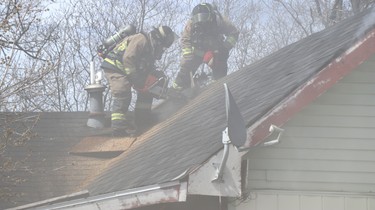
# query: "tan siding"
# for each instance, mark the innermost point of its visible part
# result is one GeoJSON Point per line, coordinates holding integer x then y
{"type": "Point", "coordinates": [267, 202]}
{"type": "Point", "coordinates": [355, 204]}
{"type": "Point", "coordinates": [342, 110]}
{"type": "Point", "coordinates": [290, 202]}
{"type": "Point", "coordinates": [307, 186]}
{"type": "Point", "coordinates": [315, 154]}
{"type": "Point", "coordinates": [347, 99]}
{"type": "Point", "coordinates": [371, 203]}
{"type": "Point", "coordinates": [312, 165]}
{"type": "Point", "coordinates": [308, 202]}
{"type": "Point", "coordinates": [271, 200]}
{"type": "Point", "coordinates": [333, 203]}
{"type": "Point", "coordinates": [334, 121]}
{"type": "Point", "coordinates": [334, 143]}
{"type": "Point", "coordinates": [328, 147]}
{"type": "Point", "coordinates": [356, 88]}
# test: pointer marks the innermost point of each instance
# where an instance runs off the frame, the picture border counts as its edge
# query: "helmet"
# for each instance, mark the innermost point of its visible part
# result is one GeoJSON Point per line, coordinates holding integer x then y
{"type": "Point", "coordinates": [164, 35]}
{"type": "Point", "coordinates": [203, 13]}
{"type": "Point", "coordinates": [161, 38]}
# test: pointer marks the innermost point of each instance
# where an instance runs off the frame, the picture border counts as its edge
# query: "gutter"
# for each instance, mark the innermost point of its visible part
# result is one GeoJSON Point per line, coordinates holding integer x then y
{"type": "Point", "coordinates": [127, 199]}
{"type": "Point", "coordinates": [72, 196]}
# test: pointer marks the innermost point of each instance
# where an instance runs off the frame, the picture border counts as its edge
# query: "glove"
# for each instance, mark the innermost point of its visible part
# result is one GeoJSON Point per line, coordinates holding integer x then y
{"type": "Point", "coordinates": [229, 42]}
{"type": "Point", "coordinates": [208, 57]}
{"type": "Point", "coordinates": [101, 50]}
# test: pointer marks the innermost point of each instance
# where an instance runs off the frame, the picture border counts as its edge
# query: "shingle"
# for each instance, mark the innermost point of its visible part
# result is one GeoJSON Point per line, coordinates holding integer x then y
{"type": "Point", "coordinates": [45, 169]}
{"type": "Point", "coordinates": [192, 135]}
{"type": "Point", "coordinates": [180, 143]}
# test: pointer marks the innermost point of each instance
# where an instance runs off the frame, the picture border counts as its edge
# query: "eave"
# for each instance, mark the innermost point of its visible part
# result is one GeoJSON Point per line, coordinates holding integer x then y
{"type": "Point", "coordinates": [127, 199]}
{"type": "Point", "coordinates": [310, 90]}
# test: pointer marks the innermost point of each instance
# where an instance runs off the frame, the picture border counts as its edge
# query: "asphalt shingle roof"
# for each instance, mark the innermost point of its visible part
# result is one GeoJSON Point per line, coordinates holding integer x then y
{"type": "Point", "coordinates": [183, 141]}
{"type": "Point", "coordinates": [43, 166]}
{"type": "Point", "coordinates": [191, 136]}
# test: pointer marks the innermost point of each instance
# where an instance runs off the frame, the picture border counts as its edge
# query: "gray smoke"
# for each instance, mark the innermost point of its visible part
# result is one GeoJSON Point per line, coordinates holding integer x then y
{"type": "Point", "coordinates": [368, 22]}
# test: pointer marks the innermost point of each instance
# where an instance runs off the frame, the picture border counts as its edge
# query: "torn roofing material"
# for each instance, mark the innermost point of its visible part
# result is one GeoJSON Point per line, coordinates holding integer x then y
{"type": "Point", "coordinates": [193, 134]}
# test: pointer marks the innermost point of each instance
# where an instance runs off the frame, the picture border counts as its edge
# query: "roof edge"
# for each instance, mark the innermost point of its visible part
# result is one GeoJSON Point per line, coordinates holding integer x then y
{"type": "Point", "coordinates": [129, 199]}
{"type": "Point", "coordinates": [50, 201]}
{"type": "Point", "coordinates": [313, 88]}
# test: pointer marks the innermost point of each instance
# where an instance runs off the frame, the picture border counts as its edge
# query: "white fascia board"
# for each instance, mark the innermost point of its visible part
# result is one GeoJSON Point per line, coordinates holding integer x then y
{"type": "Point", "coordinates": [128, 199]}
{"type": "Point", "coordinates": [201, 180]}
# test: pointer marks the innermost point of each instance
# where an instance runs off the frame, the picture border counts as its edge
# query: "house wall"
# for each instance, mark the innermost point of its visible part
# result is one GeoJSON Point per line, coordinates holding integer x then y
{"type": "Point", "coordinates": [283, 200]}
{"type": "Point", "coordinates": [326, 158]}
{"type": "Point", "coordinates": [193, 202]}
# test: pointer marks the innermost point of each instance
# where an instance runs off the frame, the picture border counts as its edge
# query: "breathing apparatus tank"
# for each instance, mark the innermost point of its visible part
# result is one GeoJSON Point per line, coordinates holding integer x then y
{"type": "Point", "coordinates": [122, 33]}
{"type": "Point", "coordinates": [109, 43]}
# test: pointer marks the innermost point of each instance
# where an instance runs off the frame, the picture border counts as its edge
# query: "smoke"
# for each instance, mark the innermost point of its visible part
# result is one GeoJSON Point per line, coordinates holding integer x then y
{"type": "Point", "coordinates": [367, 23]}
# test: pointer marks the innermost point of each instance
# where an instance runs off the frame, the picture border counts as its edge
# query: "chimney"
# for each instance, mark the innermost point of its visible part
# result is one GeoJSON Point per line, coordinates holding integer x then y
{"type": "Point", "coordinates": [95, 90]}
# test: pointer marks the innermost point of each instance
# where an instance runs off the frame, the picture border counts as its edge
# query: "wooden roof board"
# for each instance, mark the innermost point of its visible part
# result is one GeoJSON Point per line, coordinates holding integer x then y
{"type": "Point", "coordinates": [190, 137]}
{"type": "Point", "coordinates": [102, 146]}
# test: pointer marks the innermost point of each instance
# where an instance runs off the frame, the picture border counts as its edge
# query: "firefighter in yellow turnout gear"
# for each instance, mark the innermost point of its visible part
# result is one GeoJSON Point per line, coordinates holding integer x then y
{"type": "Point", "coordinates": [127, 66]}
{"type": "Point", "coordinates": [207, 38]}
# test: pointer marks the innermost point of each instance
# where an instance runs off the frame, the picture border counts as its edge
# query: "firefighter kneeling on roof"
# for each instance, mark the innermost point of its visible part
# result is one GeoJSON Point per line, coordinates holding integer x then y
{"type": "Point", "coordinates": [131, 63]}
{"type": "Point", "coordinates": [207, 38]}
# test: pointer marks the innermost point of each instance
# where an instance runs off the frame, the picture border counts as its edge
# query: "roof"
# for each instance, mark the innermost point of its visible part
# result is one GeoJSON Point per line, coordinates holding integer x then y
{"type": "Point", "coordinates": [183, 142]}
{"type": "Point", "coordinates": [187, 139]}
{"type": "Point", "coordinates": [44, 168]}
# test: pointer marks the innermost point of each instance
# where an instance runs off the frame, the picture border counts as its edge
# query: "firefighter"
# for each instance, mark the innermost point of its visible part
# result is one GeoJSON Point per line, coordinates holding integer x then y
{"type": "Point", "coordinates": [207, 38]}
{"type": "Point", "coordinates": [127, 66]}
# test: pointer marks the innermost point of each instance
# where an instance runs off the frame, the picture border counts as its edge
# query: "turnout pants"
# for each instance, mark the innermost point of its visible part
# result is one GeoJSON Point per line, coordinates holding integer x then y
{"type": "Point", "coordinates": [121, 119]}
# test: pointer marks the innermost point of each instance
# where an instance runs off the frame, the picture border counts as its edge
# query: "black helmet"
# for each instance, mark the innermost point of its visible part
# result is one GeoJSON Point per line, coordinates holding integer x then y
{"type": "Point", "coordinates": [164, 35]}
{"type": "Point", "coordinates": [161, 38]}
{"type": "Point", "coordinates": [203, 13]}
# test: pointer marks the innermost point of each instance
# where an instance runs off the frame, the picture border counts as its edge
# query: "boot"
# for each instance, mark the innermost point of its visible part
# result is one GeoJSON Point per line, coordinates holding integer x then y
{"type": "Point", "coordinates": [126, 130]}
